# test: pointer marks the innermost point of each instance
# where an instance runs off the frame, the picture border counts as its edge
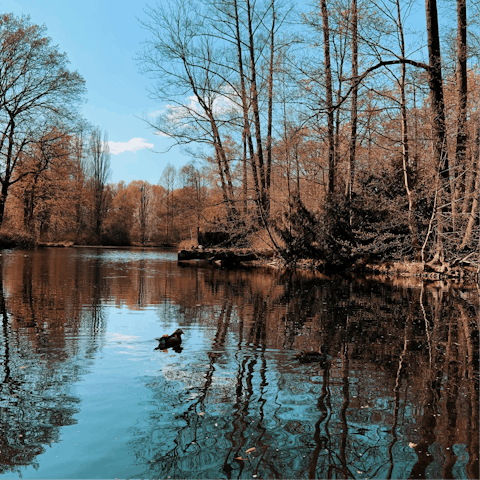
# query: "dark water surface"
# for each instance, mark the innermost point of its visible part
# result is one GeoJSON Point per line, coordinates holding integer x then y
{"type": "Point", "coordinates": [84, 393]}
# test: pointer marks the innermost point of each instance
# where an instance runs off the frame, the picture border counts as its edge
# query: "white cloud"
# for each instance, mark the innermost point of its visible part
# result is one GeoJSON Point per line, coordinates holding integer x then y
{"type": "Point", "coordinates": [222, 104]}
{"type": "Point", "coordinates": [132, 145]}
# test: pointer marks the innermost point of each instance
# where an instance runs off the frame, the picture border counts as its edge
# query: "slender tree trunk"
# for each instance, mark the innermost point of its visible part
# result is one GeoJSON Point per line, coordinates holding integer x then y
{"type": "Point", "coordinates": [354, 112]}
{"type": "Point", "coordinates": [461, 146]}
{"type": "Point", "coordinates": [245, 175]}
{"type": "Point", "coordinates": [256, 110]}
{"type": "Point", "coordinates": [223, 167]}
{"type": "Point", "coordinates": [5, 181]}
{"type": "Point", "coordinates": [270, 108]}
{"type": "Point", "coordinates": [473, 216]}
{"type": "Point", "coordinates": [329, 98]}
{"type": "Point", "coordinates": [222, 162]}
{"type": "Point", "coordinates": [223, 182]}
{"type": "Point", "coordinates": [245, 109]}
{"type": "Point", "coordinates": [407, 170]}
{"type": "Point", "coordinates": [470, 176]}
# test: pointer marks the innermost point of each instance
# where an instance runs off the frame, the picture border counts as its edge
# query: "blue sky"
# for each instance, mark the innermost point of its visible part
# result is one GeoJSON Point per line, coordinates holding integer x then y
{"type": "Point", "coordinates": [101, 39]}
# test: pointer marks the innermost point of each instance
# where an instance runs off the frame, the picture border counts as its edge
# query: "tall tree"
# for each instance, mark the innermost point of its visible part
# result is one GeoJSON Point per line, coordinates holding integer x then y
{"type": "Point", "coordinates": [354, 107]}
{"type": "Point", "coordinates": [182, 58]}
{"type": "Point", "coordinates": [38, 97]}
{"type": "Point", "coordinates": [461, 146]}
{"type": "Point", "coordinates": [144, 210]}
{"type": "Point", "coordinates": [168, 181]}
{"type": "Point", "coordinates": [194, 193]}
{"type": "Point", "coordinates": [328, 97]}
{"type": "Point", "coordinates": [99, 172]}
{"type": "Point", "coordinates": [408, 175]}
{"type": "Point", "coordinates": [439, 133]}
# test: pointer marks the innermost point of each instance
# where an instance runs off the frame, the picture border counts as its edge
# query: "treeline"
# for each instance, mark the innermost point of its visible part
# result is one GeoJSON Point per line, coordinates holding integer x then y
{"type": "Point", "coordinates": [54, 166]}
{"type": "Point", "coordinates": [340, 132]}
{"type": "Point", "coordinates": [324, 134]}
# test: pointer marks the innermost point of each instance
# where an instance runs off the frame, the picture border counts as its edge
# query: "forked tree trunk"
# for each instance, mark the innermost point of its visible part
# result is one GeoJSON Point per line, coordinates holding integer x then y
{"type": "Point", "coordinates": [246, 134]}
{"type": "Point", "coordinates": [256, 108]}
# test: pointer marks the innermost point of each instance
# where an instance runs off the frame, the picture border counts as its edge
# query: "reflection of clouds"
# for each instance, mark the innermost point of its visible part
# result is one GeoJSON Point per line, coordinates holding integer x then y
{"type": "Point", "coordinates": [117, 340]}
{"type": "Point", "coordinates": [119, 337]}
{"type": "Point", "coordinates": [193, 378]}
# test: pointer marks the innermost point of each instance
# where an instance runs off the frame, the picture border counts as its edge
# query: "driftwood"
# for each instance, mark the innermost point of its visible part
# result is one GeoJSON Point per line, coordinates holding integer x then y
{"type": "Point", "coordinates": [223, 256]}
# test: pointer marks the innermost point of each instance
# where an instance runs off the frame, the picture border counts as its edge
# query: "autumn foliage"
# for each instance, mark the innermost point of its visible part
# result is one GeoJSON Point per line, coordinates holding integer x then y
{"type": "Point", "coordinates": [347, 153]}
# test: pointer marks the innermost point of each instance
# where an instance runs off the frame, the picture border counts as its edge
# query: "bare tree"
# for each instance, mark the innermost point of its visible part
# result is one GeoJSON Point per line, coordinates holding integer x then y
{"type": "Point", "coordinates": [183, 60]}
{"type": "Point", "coordinates": [329, 97]}
{"type": "Point", "coordinates": [354, 107]}
{"type": "Point", "coordinates": [439, 133]}
{"type": "Point", "coordinates": [168, 181]}
{"type": "Point", "coordinates": [99, 172]}
{"type": "Point", "coordinates": [144, 210]}
{"type": "Point", "coordinates": [461, 147]}
{"type": "Point", "coordinates": [193, 180]}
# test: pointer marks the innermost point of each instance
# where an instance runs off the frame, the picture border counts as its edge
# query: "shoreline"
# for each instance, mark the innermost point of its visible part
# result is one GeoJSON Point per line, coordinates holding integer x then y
{"type": "Point", "coordinates": [390, 269]}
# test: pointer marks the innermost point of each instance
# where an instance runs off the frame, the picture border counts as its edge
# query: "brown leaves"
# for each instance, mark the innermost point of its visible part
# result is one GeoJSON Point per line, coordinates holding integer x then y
{"type": "Point", "coordinates": [247, 452]}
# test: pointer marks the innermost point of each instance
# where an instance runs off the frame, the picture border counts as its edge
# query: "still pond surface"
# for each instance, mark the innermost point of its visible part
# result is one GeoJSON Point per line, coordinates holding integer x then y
{"type": "Point", "coordinates": [86, 394]}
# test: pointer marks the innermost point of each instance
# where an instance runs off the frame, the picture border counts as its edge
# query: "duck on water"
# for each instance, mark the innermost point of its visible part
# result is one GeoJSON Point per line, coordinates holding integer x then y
{"type": "Point", "coordinates": [170, 341]}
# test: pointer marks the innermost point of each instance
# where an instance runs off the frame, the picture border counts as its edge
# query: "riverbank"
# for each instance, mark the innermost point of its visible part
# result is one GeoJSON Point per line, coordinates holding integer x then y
{"type": "Point", "coordinates": [268, 258]}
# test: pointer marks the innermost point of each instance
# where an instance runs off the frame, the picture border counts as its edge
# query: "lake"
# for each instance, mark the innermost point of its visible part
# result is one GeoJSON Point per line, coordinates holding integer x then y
{"type": "Point", "coordinates": [86, 394]}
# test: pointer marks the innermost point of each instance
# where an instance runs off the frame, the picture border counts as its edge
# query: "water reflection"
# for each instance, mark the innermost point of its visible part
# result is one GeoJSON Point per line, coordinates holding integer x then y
{"type": "Point", "coordinates": [39, 361]}
{"type": "Point", "coordinates": [389, 406]}
{"type": "Point", "coordinates": [397, 399]}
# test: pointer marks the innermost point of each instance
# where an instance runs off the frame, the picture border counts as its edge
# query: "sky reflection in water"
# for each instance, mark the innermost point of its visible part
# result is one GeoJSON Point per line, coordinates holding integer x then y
{"type": "Point", "coordinates": [86, 395]}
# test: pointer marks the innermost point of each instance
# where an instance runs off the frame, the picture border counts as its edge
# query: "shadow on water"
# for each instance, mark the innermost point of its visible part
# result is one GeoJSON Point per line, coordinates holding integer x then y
{"type": "Point", "coordinates": [398, 397]}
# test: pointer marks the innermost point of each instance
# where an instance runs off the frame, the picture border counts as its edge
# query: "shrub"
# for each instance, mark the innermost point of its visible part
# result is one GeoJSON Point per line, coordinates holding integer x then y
{"type": "Point", "coordinates": [17, 240]}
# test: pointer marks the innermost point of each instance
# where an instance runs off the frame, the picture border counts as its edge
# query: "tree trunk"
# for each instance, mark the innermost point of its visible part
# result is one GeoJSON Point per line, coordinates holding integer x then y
{"type": "Point", "coordinates": [407, 170]}
{"type": "Point", "coordinates": [440, 148]}
{"type": "Point", "coordinates": [245, 108]}
{"type": "Point", "coordinates": [256, 111]}
{"type": "Point", "coordinates": [270, 108]}
{"type": "Point", "coordinates": [354, 112]}
{"type": "Point", "coordinates": [461, 106]}
{"type": "Point", "coordinates": [473, 216]}
{"type": "Point", "coordinates": [329, 98]}
{"type": "Point", "coordinates": [245, 175]}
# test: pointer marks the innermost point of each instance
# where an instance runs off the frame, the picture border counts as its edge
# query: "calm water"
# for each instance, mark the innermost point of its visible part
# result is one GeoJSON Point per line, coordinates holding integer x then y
{"type": "Point", "coordinates": [84, 393]}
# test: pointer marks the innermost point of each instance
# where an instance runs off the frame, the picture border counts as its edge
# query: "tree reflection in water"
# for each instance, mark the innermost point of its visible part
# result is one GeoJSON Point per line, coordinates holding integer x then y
{"type": "Point", "coordinates": [40, 363]}
{"type": "Point", "coordinates": [386, 406]}
{"type": "Point", "coordinates": [398, 399]}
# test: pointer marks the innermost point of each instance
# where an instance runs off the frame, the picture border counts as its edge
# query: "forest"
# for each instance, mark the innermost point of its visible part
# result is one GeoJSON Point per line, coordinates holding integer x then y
{"type": "Point", "coordinates": [342, 131]}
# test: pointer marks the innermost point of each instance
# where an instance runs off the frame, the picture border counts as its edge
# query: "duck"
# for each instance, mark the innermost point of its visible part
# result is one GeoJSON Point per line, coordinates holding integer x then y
{"type": "Point", "coordinates": [314, 356]}
{"type": "Point", "coordinates": [170, 341]}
